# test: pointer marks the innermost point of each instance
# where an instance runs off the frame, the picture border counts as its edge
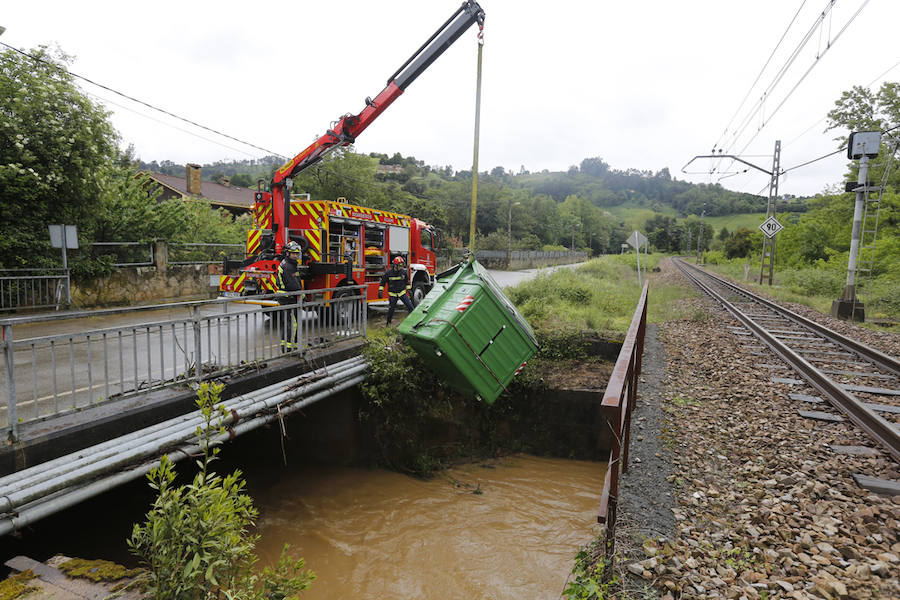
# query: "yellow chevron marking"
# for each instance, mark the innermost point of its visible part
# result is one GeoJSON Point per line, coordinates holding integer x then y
{"type": "Point", "coordinates": [253, 238]}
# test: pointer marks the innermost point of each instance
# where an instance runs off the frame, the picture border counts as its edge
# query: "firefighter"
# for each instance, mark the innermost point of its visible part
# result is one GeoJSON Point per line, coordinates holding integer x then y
{"type": "Point", "coordinates": [288, 280]}
{"type": "Point", "coordinates": [397, 281]}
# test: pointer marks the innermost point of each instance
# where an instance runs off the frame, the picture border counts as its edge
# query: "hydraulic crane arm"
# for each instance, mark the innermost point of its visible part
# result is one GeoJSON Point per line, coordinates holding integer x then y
{"type": "Point", "coordinates": [345, 131]}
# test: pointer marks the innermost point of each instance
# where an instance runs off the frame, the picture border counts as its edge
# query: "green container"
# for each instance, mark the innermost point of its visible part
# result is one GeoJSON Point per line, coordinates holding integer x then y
{"type": "Point", "coordinates": [469, 333]}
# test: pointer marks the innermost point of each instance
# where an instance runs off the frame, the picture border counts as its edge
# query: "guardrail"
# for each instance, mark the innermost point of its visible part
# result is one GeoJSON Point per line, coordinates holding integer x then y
{"type": "Point", "coordinates": [33, 288]}
{"type": "Point", "coordinates": [50, 375]}
{"type": "Point", "coordinates": [198, 253]}
{"type": "Point", "coordinates": [616, 408]}
{"type": "Point", "coordinates": [128, 254]}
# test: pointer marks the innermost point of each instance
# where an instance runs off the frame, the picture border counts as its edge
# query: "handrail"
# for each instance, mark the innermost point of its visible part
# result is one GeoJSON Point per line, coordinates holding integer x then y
{"type": "Point", "coordinates": [616, 408]}
{"type": "Point", "coordinates": [71, 368]}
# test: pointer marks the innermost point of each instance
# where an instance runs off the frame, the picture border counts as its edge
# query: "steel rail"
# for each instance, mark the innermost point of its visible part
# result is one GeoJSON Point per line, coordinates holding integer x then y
{"type": "Point", "coordinates": [886, 362]}
{"type": "Point", "coordinates": [881, 430]}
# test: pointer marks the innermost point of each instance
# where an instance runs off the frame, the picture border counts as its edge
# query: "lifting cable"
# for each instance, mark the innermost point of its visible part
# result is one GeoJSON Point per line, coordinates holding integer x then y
{"type": "Point", "coordinates": [475, 154]}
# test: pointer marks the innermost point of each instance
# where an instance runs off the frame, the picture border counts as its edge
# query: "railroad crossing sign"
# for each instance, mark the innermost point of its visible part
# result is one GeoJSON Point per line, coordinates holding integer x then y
{"type": "Point", "coordinates": [770, 227]}
{"type": "Point", "coordinates": [636, 240]}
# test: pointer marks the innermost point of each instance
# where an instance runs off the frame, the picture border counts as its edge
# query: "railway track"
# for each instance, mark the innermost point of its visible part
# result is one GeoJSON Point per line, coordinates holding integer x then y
{"type": "Point", "coordinates": [842, 379]}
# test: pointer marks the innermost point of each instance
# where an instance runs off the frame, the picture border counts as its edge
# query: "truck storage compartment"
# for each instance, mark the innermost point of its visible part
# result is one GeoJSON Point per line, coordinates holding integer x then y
{"type": "Point", "coordinates": [469, 333]}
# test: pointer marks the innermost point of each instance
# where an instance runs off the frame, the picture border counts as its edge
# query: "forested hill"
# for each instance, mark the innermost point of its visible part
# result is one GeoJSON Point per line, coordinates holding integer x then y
{"type": "Point", "coordinates": [582, 207]}
{"type": "Point", "coordinates": [592, 180]}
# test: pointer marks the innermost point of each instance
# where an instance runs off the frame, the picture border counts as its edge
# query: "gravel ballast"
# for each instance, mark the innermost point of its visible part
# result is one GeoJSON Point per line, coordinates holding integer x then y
{"type": "Point", "coordinates": [731, 493]}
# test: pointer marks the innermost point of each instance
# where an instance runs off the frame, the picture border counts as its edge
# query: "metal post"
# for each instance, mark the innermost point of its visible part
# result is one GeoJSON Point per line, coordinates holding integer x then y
{"type": "Point", "coordinates": [11, 416]}
{"type": "Point", "coordinates": [66, 264]}
{"type": "Point", "coordinates": [509, 232]}
{"type": "Point", "coordinates": [768, 250]}
{"type": "Point", "coordinates": [850, 287]}
{"type": "Point", "coordinates": [637, 253]}
{"type": "Point", "coordinates": [700, 237]}
{"type": "Point", "coordinates": [198, 361]}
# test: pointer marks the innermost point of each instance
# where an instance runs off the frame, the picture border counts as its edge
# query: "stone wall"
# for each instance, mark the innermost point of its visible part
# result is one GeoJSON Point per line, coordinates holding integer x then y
{"type": "Point", "coordinates": [145, 285]}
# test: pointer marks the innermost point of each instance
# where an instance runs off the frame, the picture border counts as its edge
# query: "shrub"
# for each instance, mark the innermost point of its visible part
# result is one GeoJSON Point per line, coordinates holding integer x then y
{"type": "Point", "coordinates": [814, 281]}
{"type": "Point", "coordinates": [196, 541]}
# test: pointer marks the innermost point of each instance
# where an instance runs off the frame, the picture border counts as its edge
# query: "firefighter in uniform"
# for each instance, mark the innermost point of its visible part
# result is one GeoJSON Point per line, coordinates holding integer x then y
{"type": "Point", "coordinates": [288, 280]}
{"type": "Point", "coordinates": [397, 281]}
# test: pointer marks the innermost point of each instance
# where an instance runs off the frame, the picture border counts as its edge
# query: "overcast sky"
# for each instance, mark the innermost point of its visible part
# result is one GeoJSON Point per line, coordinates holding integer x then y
{"type": "Point", "coordinates": [644, 84]}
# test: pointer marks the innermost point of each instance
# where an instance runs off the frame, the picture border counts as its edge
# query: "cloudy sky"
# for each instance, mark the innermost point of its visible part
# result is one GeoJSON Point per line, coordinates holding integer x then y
{"type": "Point", "coordinates": [645, 84]}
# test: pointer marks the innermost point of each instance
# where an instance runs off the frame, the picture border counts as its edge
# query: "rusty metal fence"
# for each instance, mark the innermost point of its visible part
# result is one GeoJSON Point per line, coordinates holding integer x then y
{"type": "Point", "coordinates": [51, 374]}
{"type": "Point", "coordinates": [618, 404]}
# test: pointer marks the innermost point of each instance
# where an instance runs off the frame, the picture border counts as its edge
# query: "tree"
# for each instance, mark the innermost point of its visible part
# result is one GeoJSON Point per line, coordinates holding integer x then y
{"type": "Point", "coordinates": [56, 146]}
{"type": "Point", "coordinates": [859, 109]}
{"type": "Point", "coordinates": [740, 244]}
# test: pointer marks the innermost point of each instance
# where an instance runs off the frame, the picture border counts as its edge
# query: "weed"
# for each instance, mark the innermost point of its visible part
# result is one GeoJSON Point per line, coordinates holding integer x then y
{"type": "Point", "coordinates": [682, 401]}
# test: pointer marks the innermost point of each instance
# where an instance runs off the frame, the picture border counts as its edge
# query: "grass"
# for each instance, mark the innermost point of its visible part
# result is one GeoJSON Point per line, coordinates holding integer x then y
{"type": "Point", "coordinates": [734, 222]}
{"type": "Point", "coordinates": [601, 295]}
{"type": "Point", "coordinates": [636, 217]}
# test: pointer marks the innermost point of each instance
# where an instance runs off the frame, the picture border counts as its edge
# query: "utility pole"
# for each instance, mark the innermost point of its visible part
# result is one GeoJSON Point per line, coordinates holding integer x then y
{"type": "Point", "coordinates": [700, 236]}
{"type": "Point", "coordinates": [770, 226]}
{"type": "Point", "coordinates": [768, 249]}
{"type": "Point", "coordinates": [509, 231]}
{"type": "Point", "coordinates": [862, 145]}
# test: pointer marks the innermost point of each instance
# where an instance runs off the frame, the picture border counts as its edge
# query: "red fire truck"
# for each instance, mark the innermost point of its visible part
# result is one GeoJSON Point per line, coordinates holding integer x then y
{"type": "Point", "coordinates": [344, 243]}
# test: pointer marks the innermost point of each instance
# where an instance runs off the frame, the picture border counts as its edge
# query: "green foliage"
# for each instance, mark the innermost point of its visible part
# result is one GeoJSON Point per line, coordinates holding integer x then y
{"type": "Point", "coordinates": [815, 281]}
{"type": "Point", "coordinates": [401, 398]}
{"type": "Point", "coordinates": [57, 146]}
{"type": "Point", "coordinates": [196, 541]}
{"type": "Point", "coordinates": [740, 243]}
{"type": "Point", "coordinates": [587, 578]}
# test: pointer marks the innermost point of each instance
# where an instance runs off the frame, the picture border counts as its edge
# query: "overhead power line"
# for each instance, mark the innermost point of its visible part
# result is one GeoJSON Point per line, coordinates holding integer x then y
{"type": "Point", "coordinates": [761, 71]}
{"type": "Point", "coordinates": [831, 44]}
{"type": "Point", "coordinates": [147, 104]}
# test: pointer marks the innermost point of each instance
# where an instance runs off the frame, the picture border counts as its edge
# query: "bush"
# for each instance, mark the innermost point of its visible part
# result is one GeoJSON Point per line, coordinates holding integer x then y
{"type": "Point", "coordinates": [813, 281]}
{"type": "Point", "coordinates": [196, 541]}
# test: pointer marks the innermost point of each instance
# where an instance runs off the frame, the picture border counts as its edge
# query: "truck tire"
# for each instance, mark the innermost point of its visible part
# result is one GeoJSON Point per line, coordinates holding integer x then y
{"type": "Point", "coordinates": [337, 314]}
{"type": "Point", "coordinates": [418, 291]}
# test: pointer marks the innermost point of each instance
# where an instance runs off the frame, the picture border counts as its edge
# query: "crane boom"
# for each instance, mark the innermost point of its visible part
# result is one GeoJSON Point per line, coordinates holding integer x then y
{"type": "Point", "coordinates": [348, 127]}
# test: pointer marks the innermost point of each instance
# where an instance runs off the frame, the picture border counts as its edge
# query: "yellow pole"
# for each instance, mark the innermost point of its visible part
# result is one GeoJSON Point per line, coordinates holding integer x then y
{"type": "Point", "coordinates": [475, 157]}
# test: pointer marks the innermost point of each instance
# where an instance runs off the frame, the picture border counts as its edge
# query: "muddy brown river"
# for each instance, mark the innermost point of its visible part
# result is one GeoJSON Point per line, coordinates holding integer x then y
{"type": "Point", "coordinates": [503, 529]}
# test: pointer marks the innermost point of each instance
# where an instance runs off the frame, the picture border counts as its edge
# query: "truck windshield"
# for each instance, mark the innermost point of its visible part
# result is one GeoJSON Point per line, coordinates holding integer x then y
{"type": "Point", "coordinates": [426, 239]}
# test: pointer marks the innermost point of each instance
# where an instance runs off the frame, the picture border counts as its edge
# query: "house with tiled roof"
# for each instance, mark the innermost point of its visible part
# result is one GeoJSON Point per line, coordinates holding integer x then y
{"type": "Point", "coordinates": [237, 200]}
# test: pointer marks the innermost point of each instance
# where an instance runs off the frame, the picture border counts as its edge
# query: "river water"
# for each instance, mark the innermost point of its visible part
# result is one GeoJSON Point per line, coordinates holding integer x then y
{"type": "Point", "coordinates": [503, 529]}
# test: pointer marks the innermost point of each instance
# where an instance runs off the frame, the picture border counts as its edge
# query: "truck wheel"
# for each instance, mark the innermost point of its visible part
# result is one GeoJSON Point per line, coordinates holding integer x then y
{"type": "Point", "coordinates": [418, 292]}
{"type": "Point", "coordinates": [338, 313]}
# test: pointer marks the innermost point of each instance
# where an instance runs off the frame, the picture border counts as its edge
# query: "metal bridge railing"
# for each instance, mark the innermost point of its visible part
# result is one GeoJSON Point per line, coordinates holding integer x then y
{"type": "Point", "coordinates": [618, 404]}
{"type": "Point", "coordinates": [33, 288]}
{"type": "Point", "coordinates": [50, 375]}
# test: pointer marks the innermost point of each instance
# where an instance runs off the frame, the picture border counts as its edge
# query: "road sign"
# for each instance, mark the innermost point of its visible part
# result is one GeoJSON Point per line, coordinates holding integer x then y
{"type": "Point", "coordinates": [636, 240]}
{"type": "Point", "coordinates": [63, 236]}
{"type": "Point", "coordinates": [770, 227]}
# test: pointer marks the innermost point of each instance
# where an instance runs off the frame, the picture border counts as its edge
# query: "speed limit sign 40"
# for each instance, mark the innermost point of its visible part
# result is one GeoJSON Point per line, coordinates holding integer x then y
{"type": "Point", "coordinates": [770, 227]}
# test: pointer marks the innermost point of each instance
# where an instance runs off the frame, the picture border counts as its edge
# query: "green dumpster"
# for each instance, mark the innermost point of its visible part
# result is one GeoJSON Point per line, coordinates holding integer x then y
{"type": "Point", "coordinates": [469, 333]}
